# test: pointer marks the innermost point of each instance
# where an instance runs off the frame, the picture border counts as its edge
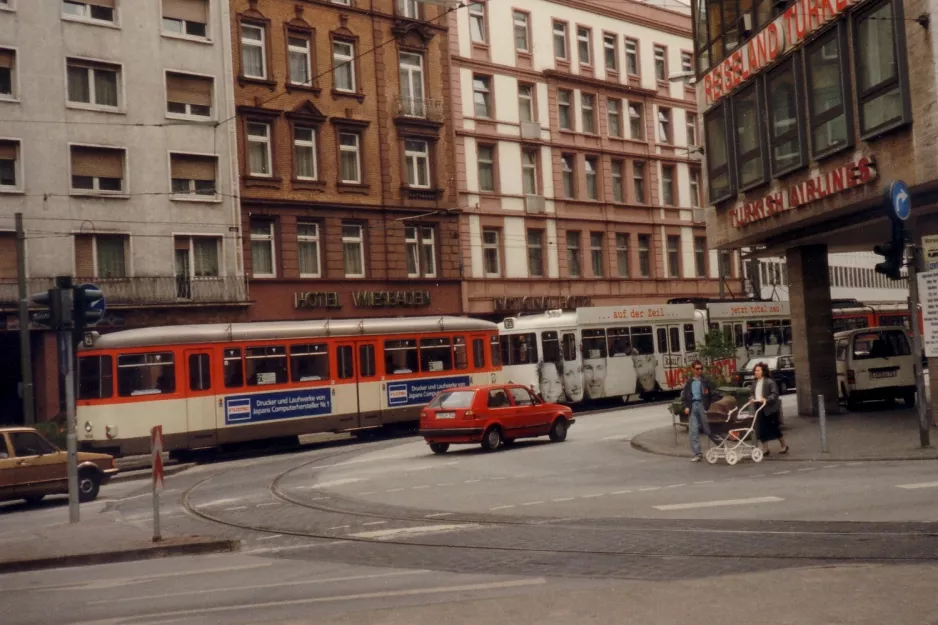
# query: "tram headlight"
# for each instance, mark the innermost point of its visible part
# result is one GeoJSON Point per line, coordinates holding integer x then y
{"type": "Point", "coordinates": [88, 427]}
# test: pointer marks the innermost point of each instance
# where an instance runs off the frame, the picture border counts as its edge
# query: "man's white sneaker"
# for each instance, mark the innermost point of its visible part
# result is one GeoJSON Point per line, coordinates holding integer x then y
{"type": "Point", "coordinates": [695, 459]}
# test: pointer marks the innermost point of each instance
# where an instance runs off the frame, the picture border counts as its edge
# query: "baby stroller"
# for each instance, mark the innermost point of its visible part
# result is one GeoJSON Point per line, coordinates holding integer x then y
{"type": "Point", "coordinates": [734, 447]}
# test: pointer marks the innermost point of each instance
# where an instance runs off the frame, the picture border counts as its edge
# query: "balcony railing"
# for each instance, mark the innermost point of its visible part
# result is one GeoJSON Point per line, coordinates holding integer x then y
{"type": "Point", "coordinates": [420, 108]}
{"type": "Point", "coordinates": [145, 290]}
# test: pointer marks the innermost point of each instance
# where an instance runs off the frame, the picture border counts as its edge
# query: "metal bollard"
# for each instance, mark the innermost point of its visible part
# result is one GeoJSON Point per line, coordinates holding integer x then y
{"type": "Point", "coordinates": [822, 416]}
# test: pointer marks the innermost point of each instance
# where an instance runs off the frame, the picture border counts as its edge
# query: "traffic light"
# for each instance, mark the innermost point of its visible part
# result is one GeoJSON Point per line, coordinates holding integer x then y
{"type": "Point", "coordinates": [893, 252]}
{"type": "Point", "coordinates": [52, 304]}
{"type": "Point", "coordinates": [88, 302]}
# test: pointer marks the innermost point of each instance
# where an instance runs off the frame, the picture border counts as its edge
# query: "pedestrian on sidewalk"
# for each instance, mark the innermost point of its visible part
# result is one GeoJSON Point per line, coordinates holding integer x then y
{"type": "Point", "coordinates": [697, 396]}
{"type": "Point", "coordinates": [768, 426]}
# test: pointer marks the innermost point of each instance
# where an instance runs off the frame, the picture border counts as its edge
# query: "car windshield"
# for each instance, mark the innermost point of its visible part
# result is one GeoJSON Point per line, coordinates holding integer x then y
{"type": "Point", "coordinates": [453, 399]}
{"type": "Point", "coordinates": [752, 362]}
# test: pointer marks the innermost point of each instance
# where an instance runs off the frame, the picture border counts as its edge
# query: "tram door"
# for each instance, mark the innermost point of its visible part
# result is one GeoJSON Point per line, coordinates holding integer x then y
{"type": "Point", "coordinates": [369, 384]}
{"type": "Point", "coordinates": [200, 426]}
{"type": "Point", "coordinates": [672, 355]}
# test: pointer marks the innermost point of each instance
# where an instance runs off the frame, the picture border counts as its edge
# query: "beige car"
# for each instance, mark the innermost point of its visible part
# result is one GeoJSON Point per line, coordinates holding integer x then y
{"type": "Point", "coordinates": [31, 467]}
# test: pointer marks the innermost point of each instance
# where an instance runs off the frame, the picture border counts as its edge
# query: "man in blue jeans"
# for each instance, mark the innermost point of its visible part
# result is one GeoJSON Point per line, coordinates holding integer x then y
{"type": "Point", "coordinates": [697, 396]}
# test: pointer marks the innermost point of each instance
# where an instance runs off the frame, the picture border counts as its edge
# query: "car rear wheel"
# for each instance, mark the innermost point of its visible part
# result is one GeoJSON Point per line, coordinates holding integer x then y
{"type": "Point", "coordinates": [439, 448]}
{"type": "Point", "coordinates": [492, 439]}
{"type": "Point", "coordinates": [558, 431]}
{"type": "Point", "coordinates": [89, 483]}
{"type": "Point", "coordinates": [34, 499]}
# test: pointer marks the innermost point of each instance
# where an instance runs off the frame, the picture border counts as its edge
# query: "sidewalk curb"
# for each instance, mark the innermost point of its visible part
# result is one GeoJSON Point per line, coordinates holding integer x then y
{"type": "Point", "coordinates": [146, 474]}
{"type": "Point", "coordinates": [127, 555]}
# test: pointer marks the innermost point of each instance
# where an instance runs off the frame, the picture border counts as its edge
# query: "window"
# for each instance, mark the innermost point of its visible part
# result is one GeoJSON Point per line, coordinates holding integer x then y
{"type": "Point", "coordinates": [409, 9]}
{"type": "Point", "coordinates": [746, 115]}
{"type": "Point", "coordinates": [560, 40]}
{"type": "Point", "coordinates": [96, 84]}
{"type": "Point", "coordinates": [529, 171]}
{"type": "Point", "coordinates": [233, 368]}
{"type": "Point", "coordinates": [573, 254]}
{"type": "Point", "coordinates": [305, 161]}
{"type": "Point", "coordinates": [695, 188]}
{"type": "Point", "coordinates": [687, 65]}
{"type": "Point", "coordinates": [718, 163]}
{"type": "Point", "coordinates": [674, 256]}
{"type": "Point", "coordinates": [299, 63]}
{"type": "Point", "coordinates": [417, 157]}
{"type": "Point", "coordinates": [535, 253]}
{"type": "Point", "coordinates": [591, 163]}
{"type": "Point", "coordinates": [521, 396]}
{"type": "Point", "coordinates": [436, 354]}
{"type": "Point", "coordinates": [700, 257]}
{"type": "Point", "coordinates": [265, 365]}
{"type": "Point", "coordinates": [664, 125]}
{"type": "Point", "coordinates": [587, 104]}
{"type": "Point", "coordinates": [566, 173]}
{"type": "Point", "coordinates": [366, 360]}
{"type": "Point", "coordinates": [345, 363]}
{"type": "Point", "coordinates": [487, 168]}
{"type": "Point", "coordinates": [97, 170]}
{"type": "Point", "coordinates": [613, 109]}
{"type": "Point", "coordinates": [421, 251]}
{"type": "Point", "coordinates": [521, 31]}
{"type": "Point", "coordinates": [350, 171]}
{"type": "Point", "coordinates": [193, 174]}
{"type": "Point", "coordinates": [481, 95]}
{"type": "Point", "coordinates": [478, 353]}
{"type": "Point", "coordinates": [583, 44]}
{"type": "Point", "coordinates": [7, 73]}
{"type": "Point", "coordinates": [622, 254]}
{"type": "Point", "coordinates": [690, 338]}
{"type": "Point", "coordinates": [826, 68]}
{"type": "Point", "coordinates": [411, 74]}
{"type": "Point", "coordinates": [186, 17]}
{"type": "Point", "coordinates": [95, 377]}
{"type": "Point", "coordinates": [564, 109]}
{"type": "Point", "coordinates": [638, 181]}
{"type": "Point", "coordinates": [262, 248]}
{"type": "Point", "coordinates": [631, 57]}
{"type": "Point", "coordinates": [636, 121]}
{"type": "Point", "coordinates": [189, 95]}
{"type": "Point", "coordinates": [353, 250]}
{"type": "Point", "coordinates": [526, 102]}
{"type": "Point", "coordinates": [9, 164]}
{"type": "Point", "coordinates": [882, 86]}
{"type": "Point", "coordinates": [644, 255]}
{"type": "Point", "coordinates": [98, 10]}
{"type": "Point", "coordinates": [784, 94]}
{"type": "Point", "coordinates": [691, 124]}
{"type": "Point", "coordinates": [307, 240]}
{"type": "Point", "coordinates": [101, 255]}
{"type": "Point", "coordinates": [343, 70]}
{"type": "Point", "coordinates": [661, 65]}
{"type": "Point", "coordinates": [491, 253]}
{"type": "Point", "coordinates": [309, 363]}
{"type": "Point", "coordinates": [477, 30]}
{"type": "Point", "coordinates": [618, 189]}
{"type": "Point", "coordinates": [726, 265]}
{"type": "Point", "coordinates": [196, 257]}
{"type": "Point", "coordinates": [596, 254]}
{"type": "Point", "coordinates": [145, 374]}
{"type": "Point", "coordinates": [611, 52]}
{"type": "Point", "coordinates": [400, 357]}
{"type": "Point", "coordinates": [253, 51]}
{"type": "Point", "coordinates": [259, 158]}
{"type": "Point", "coordinates": [667, 185]}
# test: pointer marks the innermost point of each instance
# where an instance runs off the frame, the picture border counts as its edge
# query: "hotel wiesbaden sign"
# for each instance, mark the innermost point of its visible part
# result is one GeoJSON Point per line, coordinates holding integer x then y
{"type": "Point", "coordinates": [362, 299]}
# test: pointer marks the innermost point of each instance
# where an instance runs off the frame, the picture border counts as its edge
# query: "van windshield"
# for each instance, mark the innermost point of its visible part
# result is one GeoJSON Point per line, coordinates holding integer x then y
{"type": "Point", "coordinates": [452, 399]}
{"type": "Point", "coordinates": [880, 345]}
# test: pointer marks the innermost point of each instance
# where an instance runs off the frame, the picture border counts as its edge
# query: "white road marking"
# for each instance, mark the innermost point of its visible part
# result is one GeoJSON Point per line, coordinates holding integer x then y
{"type": "Point", "coordinates": [592, 496]}
{"type": "Point", "coordinates": [267, 505]}
{"type": "Point", "coordinates": [371, 492]}
{"type": "Point", "coordinates": [394, 490]}
{"type": "Point", "coordinates": [781, 473]}
{"type": "Point", "coordinates": [642, 490]}
{"type": "Point", "coordinates": [403, 532]}
{"type": "Point", "coordinates": [722, 502]}
{"type": "Point", "coordinates": [126, 581]}
{"type": "Point", "coordinates": [446, 483]}
{"type": "Point", "coordinates": [321, 498]}
{"type": "Point", "coordinates": [620, 492]}
{"type": "Point", "coordinates": [806, 469]}
{"type": "Point", "coordinates": [832, 466]}
{"type": "Point", "coordinates": [495, 479]}
{"type": "Point", "coordinates": [271, 537]}
{"type": "Point", "coordinates": [438, 515]}
{"type": "Point", "coordinates": [532, 503]}
{"type": "Point", "coordinates": [419, 487]}
{"type": "Point", "coordinates": [374, 523]}
{"type": "Point", "coordinates": [472, 481]}
{"type": "Point", "coordinates": [562, 499]}
{"type": "Point", "coordinates": [293, 547]}
{"type": "Point", "coordinates": [218, 502]}
{"type": "Point", "coordinates": [236, 508]}
{"type": "Point", "coordinates": [150, 494]}
{"type": "Point", "coordinates": [503, 507]}
{"type": "Point", "coordinates": [918, 485]}
{"type": "Point", "coordinates": [348, 480]}
{"type": "Point", "coordinates": [705, 482]}
{"type": "Point", "coordinates": [619, 437]}
{"type": "Point", "coordinates": [339, 527]}
{"type": "Point", "coordinates": [675, 485]}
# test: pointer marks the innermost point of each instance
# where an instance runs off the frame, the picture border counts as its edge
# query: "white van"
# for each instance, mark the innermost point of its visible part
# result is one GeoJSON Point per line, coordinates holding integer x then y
{"type": "Point", "coordinates": [875, 363]}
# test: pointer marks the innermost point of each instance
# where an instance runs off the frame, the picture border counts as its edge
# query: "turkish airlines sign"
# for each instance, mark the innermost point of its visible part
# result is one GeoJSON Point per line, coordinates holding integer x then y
{"type": "Point", "coordinates": [788, 31]}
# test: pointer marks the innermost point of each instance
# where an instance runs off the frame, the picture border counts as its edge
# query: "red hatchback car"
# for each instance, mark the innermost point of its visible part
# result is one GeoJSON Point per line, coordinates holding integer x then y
{"type": "Point", "coordinates": [492, 415]}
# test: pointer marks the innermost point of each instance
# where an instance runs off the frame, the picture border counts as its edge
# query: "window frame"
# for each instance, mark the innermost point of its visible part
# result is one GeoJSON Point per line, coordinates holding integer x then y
{"type": "Point", "coordinates": [342, 59]}
{"type": "Point", "coordinates": [663, 78]}
{"type": "Point", "coordinates": [643, 198]}
{"type": "Point", "coordinates": [267, 141]}
{"type": "Point", "coordinates": [700, 258]}
{"type": "Point", "coordinates": [584, 96]}
{"type": "Point", "coordinates": [488, 246]}
{"type": "Point", "coordinates": [639, 109]}
{"type": "Point", "coordinates": [594, 191]}
{"type": "Point", "coordinates": [761, 145]}
{"type": "Point", "coordinates": [691, 129]}
{"type": "Point", "coordinates": [568, 106]}
{"type": "Point", "coordinates": [634, 54]}
{"type": "Point", "coordinates": [799, 132]}
{"type": "Point", "coordinates": [839, 32]}
{"type": "Point", "coordinates": [193, 195]}
{"type": "Point", "coordinates": [356, 149]}
{"type": "Point", "coordinates": [308, 51]}
{"type": "Point", "coordinates": [555, 33]}
{"type": "Point", "coordinates": [417, 107]}
{"type": "Point", "coordinates": [270, 239]}
{"type": "Point", "coordinates": [623, 243]}
{"type": "Point", "coordinates": [96, 180]}
{"type": "Point", "coordinates": [18, 186]}
{"type": "Point", "coordinates": [535, 152]}
{"type": "Point", "coordinates": [580, 30]}
{"type": "Point", "coordinates": [674, 268]}
{"type": "Point", "coordinates": [486, 91]}
{"type": "Point", "coordinates": [618, 179]}
{"type": "Point", "coordinates": [664, 123]}
{"type": "Point", "coordinates": [89, 65]}
{"type": "Point", "coordinates": [526, 17]}
{"type": "Point", "coordinates": [614, 40]}
{"type": "Point", "coordinates": [413, 157]}
{"type": "Point", "coordinates": [535, 251]}
{"type": "Point", "coordinates": [352, 240]}
{"type": "Point", "coordinates": [417, 238]}
{"type": "Point", "coordinates": [531, 101]}
{"type": "Point", "coordinates": [721, 110]}
{"type": "Point", "coordinates": [309, 239]}
{"type": "Point", "coordinates": [312, 144]}
{"type": "Point", "coordinates": [598, 254]}
{"type": "Point", "coordinates": [614, 112]}
{"type": "Point", "coordinates": [493, 163]}
{"type": "Point", "coordinates": [574, 253]}
{"type": "Point", "coordinates": [14, 95]}
{"type": "Point", "coordinates": [95, 260]}
{"type": "Point", "coordinates": [189, 115]}
{"type": "Point", "coordinates": [672, 169]}
{"type": "Point", "coordinates": [254, 44]}
{"type": "Point", "coordinates": [645, 262]}
{"type": "Point", "coordinates": [694, 183]}
{"type": "Point", "coordinates": [402, 7]}
{"type": "Point", "coordinates": [88, 18]}
{"type": "Point", "coordinates": [477, 15]}
{"type": "Point", "coordinates": [568, 172]}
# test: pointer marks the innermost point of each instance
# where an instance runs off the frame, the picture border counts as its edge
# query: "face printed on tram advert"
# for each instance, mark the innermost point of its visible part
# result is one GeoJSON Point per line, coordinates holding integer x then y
{"type": "Point", "coordinates": [645, 367]}
{"type": "Point", "coordinates": [549, 381]}
{"type": "Point", "coordinates": [573, 380]}
{"type": "Point", "coordinates": [594, 377]}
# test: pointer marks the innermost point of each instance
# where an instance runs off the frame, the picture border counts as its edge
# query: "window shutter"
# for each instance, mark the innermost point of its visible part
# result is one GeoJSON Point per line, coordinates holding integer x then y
{"type": "Point", "coordinates": [190, 167]}
{"type": "Point", "coordinates": [7, 58]}
{"type": "Point", "coordinates": [101, 162]}
{"type": "Point", "coordinates": [84, 255]}
{"type": "Point", "coordinates": [7, 255]}
{"type": "Point", "coordinates": [101, 3]}
{"type": "Point", "coordinates": [189, 89]}
{"type": "Point", "coordinates": [8, 150]}
{"type": "Point", "coordinates": [189, 10]}
{"type": "Point", "coordinates": [182, 244]}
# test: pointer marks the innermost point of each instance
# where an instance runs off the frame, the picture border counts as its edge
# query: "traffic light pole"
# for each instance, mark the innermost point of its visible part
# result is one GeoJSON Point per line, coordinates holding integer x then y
{"type": "Point", "coordinates": [64, 291]}
{"type": "Point", "coordinates": [924, 431]}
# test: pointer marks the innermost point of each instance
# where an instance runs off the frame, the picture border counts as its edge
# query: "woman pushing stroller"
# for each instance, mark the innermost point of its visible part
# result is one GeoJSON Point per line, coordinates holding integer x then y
{"type": "Point", "coordinates": [768, 426]}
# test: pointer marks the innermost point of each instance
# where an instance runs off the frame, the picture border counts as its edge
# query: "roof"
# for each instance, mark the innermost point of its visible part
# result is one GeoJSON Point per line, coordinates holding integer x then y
{"type": "Point", "coordinates": [280, 330]}
{"type": "Point", "coordinates": [16, 428]}
{"type": "Point", "coordinates": [847, 333]}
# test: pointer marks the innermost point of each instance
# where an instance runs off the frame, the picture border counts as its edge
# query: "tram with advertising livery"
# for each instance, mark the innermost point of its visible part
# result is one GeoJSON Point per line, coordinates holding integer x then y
{"type": "Point", "coordinates": [208, 385]}
{"type": "Point", "coordinates": [755, 328]}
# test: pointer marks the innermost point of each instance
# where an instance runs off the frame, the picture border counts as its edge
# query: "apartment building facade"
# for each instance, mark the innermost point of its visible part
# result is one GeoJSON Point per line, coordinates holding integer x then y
{"type": "Point", "coordinates": [115, 147]}
{"type": "Point", "coordinates": [345, 158]}
{"type": "Point", "coordinates": [577, 157]}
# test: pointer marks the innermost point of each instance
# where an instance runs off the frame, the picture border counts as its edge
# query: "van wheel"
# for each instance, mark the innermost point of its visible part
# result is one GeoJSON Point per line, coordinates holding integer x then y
{"type": "Point", "coordinates": [492, 439]}
{"type": "Point", "coordinates": [439, 448]}
{"type": "Point", "coordinates": [909, 399]}
{"type": "Point", "coordinates": [852, 403]}
{"type": "Point", "coordinates": [88, 486]}
{"type": "Point", "coordinates": [558, 431]}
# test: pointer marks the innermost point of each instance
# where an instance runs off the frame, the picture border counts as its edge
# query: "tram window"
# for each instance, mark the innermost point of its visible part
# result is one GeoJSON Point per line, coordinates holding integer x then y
{"type": "Point", "coordinates": [234, 371]}
{"type": "Point", "coordinates": [523, 349]}
{"type": "Point", "coordinates": [893, 320]}
{"type": "Point", "coordinates": [496, 354]}
{"type": "Point", "coordinates": [505, 351]}
{"type": "Point", "coordinates": [95, 377]}
{"type": "Point", "coordinates": [690, 338]}
{"type": "Point", "coordinates": [569, 346]}
{"type": "Point", "coordinates": [674, 338]}
{"type": "Point", "coordinates": [618, 342]}
{"type": "Point", "coordinates": [755, 333]}
{"type": "Point", "coordinates": [265, 365]}
{"type": "Point", "coordinates": [773, 333]}
{"type": "Point", "coordinates": [738, 331]}
{"type": "Point", "coordinates": [436, 354]}
{"type": "Point", "coordinates": [145, 374]}
{"type": "Point", "coordinates": [728, 333]}
{"type": "Point", "coordinates": [478, 353]}
{"type": "Point", "coordinates": [662, 340]}
{"type": "Point", "coordinates": [400, 356]}
{"type": "Point", "coordinates": [366, 360]}
{"type": "Point", "coordinates": [459, 353]}
{"type": "Point", "coordinates": [594, 344]}
{"type": "Point", "coordinates": [309, 363]}
{"type": "Point", "coordinates": [343, 357]}
{"type": "Point", "coordinates": [550, 346]}
{"type": "Point", "coordinates": [200, 377]}
{"type": "Point", "coordinates": [786, 332]}
{"type": "Point", "coordinates": [643, 341]}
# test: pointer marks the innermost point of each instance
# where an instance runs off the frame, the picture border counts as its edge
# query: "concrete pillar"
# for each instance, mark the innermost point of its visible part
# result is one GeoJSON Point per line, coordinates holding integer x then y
{"type": "Point", "coordinates": [811, 323]}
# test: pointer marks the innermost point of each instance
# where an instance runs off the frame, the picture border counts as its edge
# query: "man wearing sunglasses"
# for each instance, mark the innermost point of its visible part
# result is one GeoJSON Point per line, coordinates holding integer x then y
{"type": "Point", "coordinates": [697, 396]}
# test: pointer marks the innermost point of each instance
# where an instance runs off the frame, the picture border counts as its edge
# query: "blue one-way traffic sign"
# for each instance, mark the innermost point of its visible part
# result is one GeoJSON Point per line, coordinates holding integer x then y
{"type": "Point", "coordinates": [900, 199]}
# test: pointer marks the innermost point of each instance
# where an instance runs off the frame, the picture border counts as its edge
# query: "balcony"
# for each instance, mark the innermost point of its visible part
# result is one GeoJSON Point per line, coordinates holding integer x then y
{"type": "Point", "coordinates": [145, 290]}
{"type": "Point", "coordinates": [418, 109]}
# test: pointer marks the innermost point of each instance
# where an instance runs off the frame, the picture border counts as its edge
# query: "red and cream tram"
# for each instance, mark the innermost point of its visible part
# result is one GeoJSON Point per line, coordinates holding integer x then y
{"type": "Point", "coordinates": [208, 385]}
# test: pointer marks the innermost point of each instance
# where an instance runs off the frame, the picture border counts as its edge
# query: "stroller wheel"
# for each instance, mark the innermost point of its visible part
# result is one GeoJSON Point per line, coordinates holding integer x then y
{"type": "Point", "coordinates": [712, 456]}
{"type": "Point", "coordinates": [732, 457]}
{"type": "Point", "coordinates": [757, 455]}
